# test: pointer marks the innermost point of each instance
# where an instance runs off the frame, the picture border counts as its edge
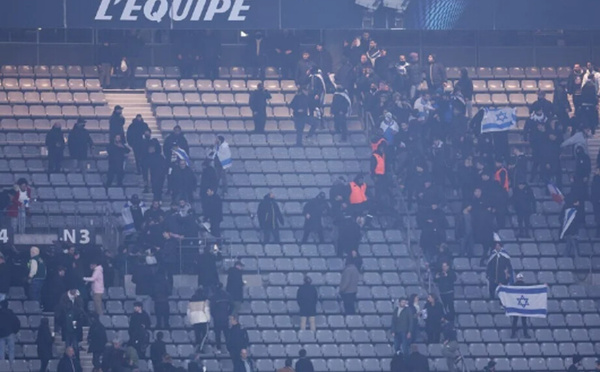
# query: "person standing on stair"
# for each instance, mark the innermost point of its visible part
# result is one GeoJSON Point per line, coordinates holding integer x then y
{"type": "Point", "coordinates": [156, 166]}
{"type": "Point", "coordinates": [307, 298]}
{"type": "Point", "coordinates": [44, 341]}
{"type": "Point", "coordinates": [269, 218]}
{"type": "Point", "coordinates": [220, 308]}
{"type": "Point", "coordinates": [97, 280]}
{"type": "Point", "coordinates": [139, 325]}
{"type": "Point", "coordinates": [9, 327]}
{"type": "Point", "coordinates": [198, 314]}
{"type": "Point", "coordinates": [55, 144]}
{"type": "Point", "coordinates": [258, 105]}
{"type": "Point", "coordinates": [116, 124]}
{"type": "Point", "coordinates": [96, 339]}
{"type": "Point", "coordinates": [69, 318]}
{"type": "Point", "coordinates": [117, 151]}
{"type": "Point", "coordinates": [235, 286]}
{"type": "Point", "coordinates": [212, 209]}
{"type": "Point", "coordinates": [80, 144]}
{"type": "Point", "coordinates": [299, 106]}
{"type": "Point", "coordinates": [136, 137]}
{"type": "Point", "coordinates": [341, 107]}
{"type": "Point", "coordinates": [221, 155]}
{"type": "Point", "coordinates": [158, 349]}
{"type": "Point", "coordinates": [37, 274]}
{"type": "Point", "coordinates": [349, 286]}
{"type": "Point", "coordinates": [69, 361]}
{"type": "Point", "coordinates": [313, 211]}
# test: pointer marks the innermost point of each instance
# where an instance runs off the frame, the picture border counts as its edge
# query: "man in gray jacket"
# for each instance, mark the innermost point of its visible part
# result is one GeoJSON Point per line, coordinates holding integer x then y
{"type": "Point", "coordinates": [402, 323]}
{"type": "Point", "coordinates": [349, 286]}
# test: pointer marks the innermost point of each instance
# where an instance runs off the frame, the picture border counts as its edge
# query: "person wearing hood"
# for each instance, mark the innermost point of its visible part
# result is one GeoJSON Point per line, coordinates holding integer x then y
{"type": "Point", "coordinates": [313, 211]}
{"type": "Point", "coordinates": [55, 144]}
{"type": "Point", "coordinates": [116, 124]}
{"type": "Point", "coordinates": [117, 151]}
{"type": "Point", "coordinates": [341, 107]}
{"type": "Point", "coordinates": [97, 280]}
{"type": "Point", "coordinates": [155, 165]}
{"type": "Point", "coordinates": [80, 144]}
{"type": "Point", "coordinates": [69, 318]}
{"type": "Point", "coordinates": [136, 136]}
{"type": "Point", "coordinates": [37, 274]}
{"type": "Point", "coordinates": [499, 269]}
{"type": "Point", "coordinates": [269, 218]}
{"type": "Point", "coordinates": [198, 314]}
{"type": "Point", "coordinates": [338, 198]}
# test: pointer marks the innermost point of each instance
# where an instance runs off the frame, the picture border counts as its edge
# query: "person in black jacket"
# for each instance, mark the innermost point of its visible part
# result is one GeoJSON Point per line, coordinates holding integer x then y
{"type": "Point", "coordinates": [175, 138]}
{"type": "Point", "coordinates": [499, 269]}
{"type": "Point", "coordinates": [433, 224]}
{"type": "Point", "coordinates": [116, 124]}
{"type": "Point", "coordinates": [307, 298]}
{"type": "Point", "coordinates": [160, 296]}
{"type": "Point", "coordinates": [208, 179]}
{"type": "Point", "coordinates": [433, 323]}
{"type": "Point", "coordinates": [183, 182]}
{"type": "Point", "coordinates": [9, 327]}
{"type": "Point", "coordinates": [243, 363]}
{"type": "Point", "coordinates": [304, 364]}
{"type": "Point", "coordinates": [69, 318]}
{"type": "Point", "coordinates": [208, 275]}
{"type": "Point", "coordinates": [69, 362]}
{"type": "Point", "coordinates": [116, 160]}
{"type": "Point", "coordinates": [238, 338]}
{"type": "Point", "coordinates": [80, 144]}
{"type": "Point", "coordinates": [4, 277]}
{"type": "Point", "coordinates": [156, 165]}
{"type": "Point", "coordinates": [435, 74]}
{"type": "Point", "coordinates": [341, 107]}
{"type": "Point", "coordinates": [269, 218]}
{"type": "Point", "coordinates": [212, 209]}
{"type": "Point", "coordinates": [417, 362]}
{"type": "Point", "coordinates": [524, 204]}
{"type": "Point", "coordinates": [220, 308]}
{"type": "Point", "coordinates": [55, 143]}
{"type": "Point", "coordinates": [96, 339]}
{"type": "Point", "coordinates": [158, 349]}
{"type": "Point", "coordinates": [313, 211]}
{"type": "Point", "coordinates": [44, 341]}
{"type": "Point", "coordinates": [136, 139]}
{"type": "Point", "coordinates": [349, 234]}
{"type": "Point", "coordinates": [139, 325]}
{"type": "Point", "coordinates": [445, 280]}
{"type": "Point", "coordinates": [415, 74]}
{"type": "Point", "coordinates": [258, 105]}
{"type": "Point", "coordinates": [235, 286]}
{"type": "Point", "coordinates": [572, 201]}
{"type": "Point", "coordinates": [299, 106]}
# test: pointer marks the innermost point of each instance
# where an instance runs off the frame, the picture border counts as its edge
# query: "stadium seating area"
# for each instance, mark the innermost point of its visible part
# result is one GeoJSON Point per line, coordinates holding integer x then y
{"type": "Point", "coordinates": [31, 97]}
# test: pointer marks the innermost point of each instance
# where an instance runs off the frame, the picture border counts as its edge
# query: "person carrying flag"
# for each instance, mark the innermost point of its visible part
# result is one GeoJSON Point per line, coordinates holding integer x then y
{"type": "Point", "coordinates": [572, 218]}
{"type": "Point", "coordinates": [499, 268]}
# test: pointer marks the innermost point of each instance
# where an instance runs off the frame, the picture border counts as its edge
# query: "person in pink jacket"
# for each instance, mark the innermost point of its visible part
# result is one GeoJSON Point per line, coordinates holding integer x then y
{"type": "Point", "coordinates": [97, 280]}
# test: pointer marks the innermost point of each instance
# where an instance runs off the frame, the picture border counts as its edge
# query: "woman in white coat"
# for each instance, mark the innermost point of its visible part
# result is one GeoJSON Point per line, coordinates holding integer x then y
{"type": "Point", "coordinates": [198, 314]}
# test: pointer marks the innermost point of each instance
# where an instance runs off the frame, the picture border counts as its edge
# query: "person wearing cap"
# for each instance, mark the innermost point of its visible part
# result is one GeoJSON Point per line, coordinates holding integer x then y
{"type": "Point", "coordinates": [313, 211]}
{"type": "Point", "coordinates": [69, 317]}
{"type": "Point", "coordinates": [55, 144]}
{"type": "Point", "coordinates": [235, 286]}
{"type": "Point", "coordinates": [258, 105]}
{"type": "Point", "coordinates": [499, 268]}
{"type": "Point", "coordinates": [116, 124]}
{"type": "Point", "coordinates": [524, 204]}
{"type": "Point", "coordinates": [515, 319]}
{"type": "Point", "coordinates": [574, 367]}
{"type": "Point", "coordinates": [4, 277]}
{"type": "Point", "coordinates": [97, 280]}
{"type": "Point", "coordinates": [37, 274]}
{"type": "Point", "coordinates": [80, 144]}
{"type": "Point", "coordinates": [139, 325]}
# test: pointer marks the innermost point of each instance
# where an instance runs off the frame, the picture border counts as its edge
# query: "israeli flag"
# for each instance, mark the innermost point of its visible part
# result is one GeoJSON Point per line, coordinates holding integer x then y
{"type": "Point", "coordinates": [182, 155]}
{"type": "Point", "coordinates": [499, 119]}
{"type": "Point", "coordinates": [528, 301]}
{"type": "Point", "coordinates": [569, 216]}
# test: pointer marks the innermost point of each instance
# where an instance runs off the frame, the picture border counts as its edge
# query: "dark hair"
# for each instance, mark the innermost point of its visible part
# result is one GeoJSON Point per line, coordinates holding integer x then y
{"type": "Point", "coordinates": [302, 353]}
{"type": "Point", "coordinates": [288, 362]}
{"type": "Point", "coordinates": [138, 304]}
{"type": "Point", "coordinates": [160, 335]}
{"type": "Point", "coordinates": [221, 138]}
{"type": "Point", "coordinates": [307, 279]}
{"type": "Point", "coordinates": [21, 181]}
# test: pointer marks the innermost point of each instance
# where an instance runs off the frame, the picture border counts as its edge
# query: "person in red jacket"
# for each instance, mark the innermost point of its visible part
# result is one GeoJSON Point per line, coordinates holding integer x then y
{"type": "Point", "coordinates": [19, 206]}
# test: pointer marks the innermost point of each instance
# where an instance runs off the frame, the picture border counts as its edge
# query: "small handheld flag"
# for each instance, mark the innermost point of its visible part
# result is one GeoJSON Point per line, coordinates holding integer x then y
{"type": "Point", "coordinates": [557, 196]}
{"type": "Point", "coordinates": [569, 216]}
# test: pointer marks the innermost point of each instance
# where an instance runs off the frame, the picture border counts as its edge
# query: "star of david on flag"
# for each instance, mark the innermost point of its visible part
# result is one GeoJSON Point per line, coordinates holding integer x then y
{"type": "Point", "coordinates": [499, 119]}
{"type": "Point", "coordinates": [528, 301]}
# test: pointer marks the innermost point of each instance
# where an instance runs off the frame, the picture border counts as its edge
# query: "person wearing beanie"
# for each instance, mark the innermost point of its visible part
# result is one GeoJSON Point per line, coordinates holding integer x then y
{"type": "Point", "coordinates": [37, 274]}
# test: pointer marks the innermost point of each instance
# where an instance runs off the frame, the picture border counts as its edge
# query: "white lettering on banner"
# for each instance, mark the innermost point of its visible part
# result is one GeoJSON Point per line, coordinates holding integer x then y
{"type": "Point", "coordinates": [178, 10]}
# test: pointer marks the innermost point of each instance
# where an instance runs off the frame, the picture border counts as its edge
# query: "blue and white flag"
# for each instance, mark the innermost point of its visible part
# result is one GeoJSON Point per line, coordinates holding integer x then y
{"type": "Point", "coordinates": [180, 154]}
{"type": "Point", "coordinates": [529, 301]}
{"type": "Point", "coordinates": [499, 119]}
{"type": "Point", "coordinates": [569, 216]}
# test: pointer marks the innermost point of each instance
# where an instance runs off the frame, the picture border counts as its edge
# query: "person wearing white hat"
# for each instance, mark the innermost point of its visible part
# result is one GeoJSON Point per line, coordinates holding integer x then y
{"type": "Point", "coordinates": [515, 319]}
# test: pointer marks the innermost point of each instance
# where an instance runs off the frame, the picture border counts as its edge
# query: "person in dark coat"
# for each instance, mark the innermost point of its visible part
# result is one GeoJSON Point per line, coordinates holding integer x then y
{"type": "Point", "coordinates": [44, 341]}
{"type": "Point", "coordinates": [117, 151]}
{"type": "Point", "coordinates": [256, 55]}
{"type": "Point", "coordinates": [155, 164]}
{"type": "Point", "coordinates": [9, 327]}
{"type": "Point", "coordinates": [499, 269]}
{"type": "Point", "coordinates": [341, 107]}
{"type": "Point", "coordinates": [349, 234]}
{"type": "Point", "coordinates": [433, 323]}
{"type": "Point", "coordinates": [220, 309]}
{"type": "Point", "coordinates": [322, 59]}
{"type": "Point", "coordinates": [574, 367]}
{"type": "Point", "coordinates": [211, 47]}
{"type": "Point", "coordinates": [238, 337]}
{"type": "Point", "coordinates": [583, 165]}
{"type": "Point", "coordinates": [286, 47]}
{"type": "Point", "coordinates": [572, 201]}
{"type": "Point", "coordinates": [116, 124]}
{"type": "Point", "coordinates": [158, 350]}
{"type": "Point", "coordinates": [269, 218]}
{"type": "Point", "coordinates": [80, 144]}
{"type": "Point", "coordinates": [524, 205]}
{"type": "Point", "coordinates": [300, 108]}
{"type": "Point", "coordinates": [135, 139]}
{"type": "Point", "coordinates": [69, 318]}
{"type": "Point", "coordinates": [212, 209]}
{"type": "Point", "coordinates": [433, 224]}
{"type": "Point", "coordinates": [55, 143]}
{"type": "Point", "coordinates": [595, 199]}
{"type": "Point", "coordinates": [398, 363]}
{"type": "Point", "coordinates": [5, 277]}
{"type": "Point", "coordinates": [304, 364]}
{"type": "Point", "coordinates": [112, 359]}
{"type": "Point", "coordinates": [235, 286]}
{"type": "Point", "coordinates": [307, 298]}
{"type": "Point", "coordinates": [208, 275]}
{"type": "Point", "coordinates": [175, 138]}
{"type": "Point", "coordinates": [435, 74]}
{"type": "Point", "coordinates": [96, 339]}
{"type": "Point", "coordinates": [445, 280]}
{"type": "Point", "coordinates": [54, 287]}
{"type": "Point", "coordinates": [258, 105]}
{"type": "Point", "coordinates": [183, 182]}
{"type": "Point", "coordinates": [208, 179]}
{"type": "Point", "coordinates": [139, 325]}
{"type": "Point", "coordinates": [69, 362]}
{"type": "Point", "coordinates": [160, 296]}
{"type": "Point", "coordinates": [415, 74]}
{"type": "Point", "coordinates": [313, 211]}
{"type": "Point", "coordinates": [417, 362]}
